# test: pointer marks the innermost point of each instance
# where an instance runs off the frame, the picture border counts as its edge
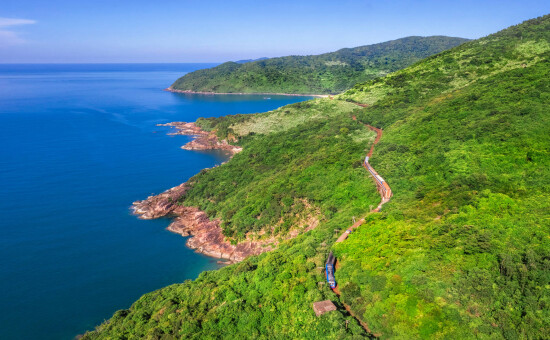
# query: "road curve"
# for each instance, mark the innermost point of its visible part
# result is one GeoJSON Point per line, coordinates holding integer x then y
{"type": "Point", "coordinates": [381, 185]}
{"type": "Point", "coordinates": [385, 195]}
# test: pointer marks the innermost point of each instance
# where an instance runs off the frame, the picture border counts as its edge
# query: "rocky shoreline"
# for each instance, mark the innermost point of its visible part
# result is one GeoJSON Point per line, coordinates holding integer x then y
{"type": "Point", "coordinates": [170, 89]}
{"type": "Point", "coordinates": [203, 140]}
{"type": "Point", "coordinates": [207, 235]}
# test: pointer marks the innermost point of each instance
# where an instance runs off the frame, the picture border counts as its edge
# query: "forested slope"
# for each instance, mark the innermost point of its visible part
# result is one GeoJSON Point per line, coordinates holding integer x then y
{"type": "Point", "coordinates": [327, 73]}
{"type": "Point", "coordinates": [463, 247]}
{"type": "Point", "coordinates": [461, 251]}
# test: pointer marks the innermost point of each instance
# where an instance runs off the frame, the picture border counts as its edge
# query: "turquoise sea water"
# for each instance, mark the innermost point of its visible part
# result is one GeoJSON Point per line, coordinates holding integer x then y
{"type": "Point", "coordinates": [78, 145]}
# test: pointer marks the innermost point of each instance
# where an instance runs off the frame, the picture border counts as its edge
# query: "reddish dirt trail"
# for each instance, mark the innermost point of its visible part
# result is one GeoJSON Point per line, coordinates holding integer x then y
{"type": "Point", "coordinates": [385, 193]}
{"type": "Point", "coordinates": [375, 129]}
{"type": "Point", "coordinates": [382, 187]}
{"type": "Point", "coordinates": [378, 136]}
{"type": "Point", "coordinates": [346, 233]}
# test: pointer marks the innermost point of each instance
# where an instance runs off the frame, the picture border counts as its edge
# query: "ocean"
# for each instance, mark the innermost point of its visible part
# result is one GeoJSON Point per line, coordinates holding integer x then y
{"type": "Point", "coordinates": [79, 144]}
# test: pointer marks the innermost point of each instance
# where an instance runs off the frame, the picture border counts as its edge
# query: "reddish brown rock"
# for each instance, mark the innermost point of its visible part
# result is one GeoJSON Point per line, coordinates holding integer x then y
{"type": "Point", "coordinates": [207, 235]}
{"type": "Point", "coordinates": [159, 205]}
{"type": "Point", "coordinates": [203, 140]}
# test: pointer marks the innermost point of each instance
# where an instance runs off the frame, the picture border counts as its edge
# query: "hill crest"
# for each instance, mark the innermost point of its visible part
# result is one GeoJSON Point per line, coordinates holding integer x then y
{"type": "Point", "coordinates": [327, 73]}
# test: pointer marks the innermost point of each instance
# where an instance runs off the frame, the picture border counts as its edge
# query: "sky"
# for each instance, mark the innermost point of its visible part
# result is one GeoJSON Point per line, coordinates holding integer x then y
{"type": "Point", "coordinates": [138, 31]}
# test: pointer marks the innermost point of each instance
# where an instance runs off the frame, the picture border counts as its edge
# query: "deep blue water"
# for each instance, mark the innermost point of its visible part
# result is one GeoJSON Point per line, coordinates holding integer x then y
{"type": "Point", "coordinates": [78, 145]}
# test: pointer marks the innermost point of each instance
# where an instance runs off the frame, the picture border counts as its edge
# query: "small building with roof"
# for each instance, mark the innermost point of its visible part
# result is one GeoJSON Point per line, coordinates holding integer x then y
{"type": "Point", "coordinates": [322, 307]}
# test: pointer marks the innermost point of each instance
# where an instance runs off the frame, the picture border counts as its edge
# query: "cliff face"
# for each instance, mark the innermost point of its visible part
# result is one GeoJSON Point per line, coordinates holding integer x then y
{"type": "Point", "coordinates": [208, 236]}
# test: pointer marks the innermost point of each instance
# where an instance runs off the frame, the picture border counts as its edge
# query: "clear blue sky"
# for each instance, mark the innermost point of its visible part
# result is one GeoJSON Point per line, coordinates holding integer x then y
{"type": "Point", "coordinates": [213, 31]}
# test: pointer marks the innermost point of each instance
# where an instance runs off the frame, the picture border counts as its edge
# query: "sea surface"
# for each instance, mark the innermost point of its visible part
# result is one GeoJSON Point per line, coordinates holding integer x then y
{"type": "Point", "coordinates": [79, 144]}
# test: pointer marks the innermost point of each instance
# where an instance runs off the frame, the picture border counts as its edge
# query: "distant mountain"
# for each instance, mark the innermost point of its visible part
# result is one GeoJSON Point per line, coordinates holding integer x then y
{"type": "Point", "coordinates": [328, 73]}
{"type": "Point", "coordinates": [244, 61]}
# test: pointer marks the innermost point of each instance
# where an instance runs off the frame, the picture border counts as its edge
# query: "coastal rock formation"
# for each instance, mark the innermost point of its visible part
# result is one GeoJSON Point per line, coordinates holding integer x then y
{"type": "Point", "coordinates": [160, 205]}
{"type": "Point", "coordinates": [207, 234]}
{"type": "Point", "coordinates": [203, 140]}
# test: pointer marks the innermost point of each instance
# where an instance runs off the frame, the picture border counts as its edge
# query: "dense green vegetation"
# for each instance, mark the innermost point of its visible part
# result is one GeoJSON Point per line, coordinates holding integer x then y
{"type": "Point", "coordinates": [327, 73]}
{"type": "Point", "coordinates": [264, 297]}
{"type": "Point", "coordinates": [295, 169]}
{"type": "Point", "coordinates": [463, 248]}
{"type": "Point", "coordinates": [461, 251]}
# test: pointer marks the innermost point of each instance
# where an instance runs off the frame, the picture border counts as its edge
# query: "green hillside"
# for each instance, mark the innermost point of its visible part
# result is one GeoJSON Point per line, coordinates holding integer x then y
{"type": "Point", "coordinates": [462, 250]}
{"type": "Point", "coordinates": [328, 73]}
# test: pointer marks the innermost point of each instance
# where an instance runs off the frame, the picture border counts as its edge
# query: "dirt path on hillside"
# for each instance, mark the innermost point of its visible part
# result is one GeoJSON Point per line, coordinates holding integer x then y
{"type": "Point", "coordinates": [381, 185]}
{"type": "Point", "coordinates": [385, 195]}
{"type": "Point", "coordinates": [378, 136]}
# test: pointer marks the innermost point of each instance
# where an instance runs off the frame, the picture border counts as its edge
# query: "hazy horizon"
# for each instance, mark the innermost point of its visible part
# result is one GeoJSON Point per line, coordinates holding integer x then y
{"type": "Point", "coordinates": [62, 31]}
{"type": "Point", "coordinates": [196, 62]}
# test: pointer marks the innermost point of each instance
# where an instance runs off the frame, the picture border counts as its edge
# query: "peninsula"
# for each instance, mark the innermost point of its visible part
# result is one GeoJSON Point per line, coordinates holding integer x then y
{"type": "Point", "coordinates": [328, 73]}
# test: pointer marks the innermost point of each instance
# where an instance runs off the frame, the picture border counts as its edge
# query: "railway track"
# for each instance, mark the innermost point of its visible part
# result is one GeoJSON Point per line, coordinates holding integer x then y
{"type": "Point", "coordinates": [381, 185]}
{"type": "Point", "coordinates": [385, 196]}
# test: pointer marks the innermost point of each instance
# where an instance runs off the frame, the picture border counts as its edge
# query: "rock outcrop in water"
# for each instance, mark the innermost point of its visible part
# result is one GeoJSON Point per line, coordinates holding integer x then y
{"type": "Point", "coordinates": [203, 140]}
{"type": "Point", "coordinates": [161, 205]}
{"type": "Point", "coordinates": [207, 234]}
